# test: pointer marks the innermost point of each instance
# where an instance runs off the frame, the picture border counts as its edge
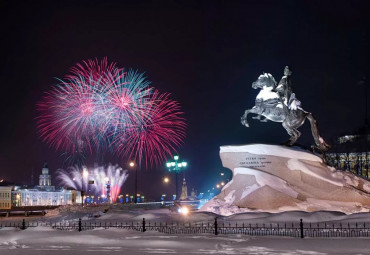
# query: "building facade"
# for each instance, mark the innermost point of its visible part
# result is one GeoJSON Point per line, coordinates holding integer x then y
{"type": "Point", "coordinates": [35, 197]}
{"type": "Point", "coordinates": [44, 194]}
{"type": "Point", "coordinates": [351, 152]}
{"type": "Point", "coordinates": [5, 197]}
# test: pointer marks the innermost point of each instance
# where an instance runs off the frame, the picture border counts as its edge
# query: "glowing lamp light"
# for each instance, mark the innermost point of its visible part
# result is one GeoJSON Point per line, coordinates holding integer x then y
{"type": "Point", "coordinates": [179, 165]}
{"type": "Point", "coordinates": [218, 186]}
{"type": "Point", "coordinates": [166, 180]}
{"type": "Point", "coordinates": [222, 183]}
{"type": "Point", "coordinates": [173, 163]}
{"type": "Point", "coordinates": [222, 174]}
{"type": "Point", "coordinates": [132, 164]}
{"type": "Point", "coordinates": [184, 164]}
{"type": "Point", "coordinates": [168, 164]}
{"type": "Point", "coordinates": [85, 173]}
{"type": "Point", "coordinates": [176, 157]}
{"type": "Point", "coordinates": [183, 210]}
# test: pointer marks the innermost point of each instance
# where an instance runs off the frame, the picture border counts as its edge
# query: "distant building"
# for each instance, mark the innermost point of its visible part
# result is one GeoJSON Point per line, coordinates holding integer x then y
{"type": "Point", "coordinates": [45, 179]}
{"type": "Point", "coordinates": [352, 152]}
{"type": "Point", "coordinates": [5, 197]}
{"type": "Point", "coordinates": [193, 193]}
{"type": "Point", "coordinates": [184, 193]}
{"type": "Point", "coordinates": [184, 190]}
{"type": "Point", "coordinates": [44, 194]}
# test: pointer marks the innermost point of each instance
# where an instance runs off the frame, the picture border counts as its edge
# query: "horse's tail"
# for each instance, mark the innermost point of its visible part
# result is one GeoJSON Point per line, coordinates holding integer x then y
{"type": "Point", "coordinates": [320, 142]}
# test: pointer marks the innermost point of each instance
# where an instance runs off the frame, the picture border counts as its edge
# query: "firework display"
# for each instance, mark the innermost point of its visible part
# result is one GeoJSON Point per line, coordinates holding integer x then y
{"type": "Point", "coordinates": [95, 182]}
{"type": "Point", "coordinates": [157, 132]}
{"type": "Point", "coordinates": [100, 108]}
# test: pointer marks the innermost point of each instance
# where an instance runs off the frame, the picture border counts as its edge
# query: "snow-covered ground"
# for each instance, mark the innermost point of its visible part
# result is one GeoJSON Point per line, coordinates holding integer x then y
{"type": "Point", "coordinates": [42, 240]}
{"type": "Point", "coordinates": [45, 240]}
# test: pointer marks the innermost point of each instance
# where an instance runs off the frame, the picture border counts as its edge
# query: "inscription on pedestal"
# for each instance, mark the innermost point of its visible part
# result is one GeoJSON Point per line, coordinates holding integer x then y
{"type": "Point", "coordinates": [255, 162]}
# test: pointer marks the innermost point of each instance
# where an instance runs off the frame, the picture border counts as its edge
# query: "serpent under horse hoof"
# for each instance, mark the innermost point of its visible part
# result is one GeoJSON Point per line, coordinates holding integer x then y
{"type": "Point", "coordinates": [277, 102]}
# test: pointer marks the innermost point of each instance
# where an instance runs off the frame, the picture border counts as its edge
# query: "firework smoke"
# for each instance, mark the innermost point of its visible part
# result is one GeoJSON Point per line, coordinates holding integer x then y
{"type": "Point", "coordinates": [113, 174]}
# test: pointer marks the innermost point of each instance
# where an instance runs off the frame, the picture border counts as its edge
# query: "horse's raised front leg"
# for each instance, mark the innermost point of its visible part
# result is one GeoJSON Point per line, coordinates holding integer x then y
{"type": "Point", "coordinates": [264, 120]}
{"type": "Point", "coordinates": [244, 118]}
{"type": "Point", "coordinates": [258, 117]}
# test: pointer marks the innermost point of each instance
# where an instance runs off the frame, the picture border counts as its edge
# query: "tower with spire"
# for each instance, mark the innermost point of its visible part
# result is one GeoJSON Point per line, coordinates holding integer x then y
{"type": "Point", "coordinates": [45, 179]}
{"type": "Point", "coordinates": [184, 190]}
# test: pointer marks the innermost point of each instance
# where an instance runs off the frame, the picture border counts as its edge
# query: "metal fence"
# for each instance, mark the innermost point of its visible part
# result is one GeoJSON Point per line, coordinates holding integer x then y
{"type": "Point", "coordinates": [298, 229]}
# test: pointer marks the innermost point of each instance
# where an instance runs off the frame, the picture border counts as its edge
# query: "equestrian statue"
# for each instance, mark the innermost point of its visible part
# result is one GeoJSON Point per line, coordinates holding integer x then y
{"type": "Point", "coordinates": [278, 103]}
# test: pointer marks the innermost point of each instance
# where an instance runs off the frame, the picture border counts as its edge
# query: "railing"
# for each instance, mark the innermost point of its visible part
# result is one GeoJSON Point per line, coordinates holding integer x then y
{"type": "Point", "coordinates": [291, 230]}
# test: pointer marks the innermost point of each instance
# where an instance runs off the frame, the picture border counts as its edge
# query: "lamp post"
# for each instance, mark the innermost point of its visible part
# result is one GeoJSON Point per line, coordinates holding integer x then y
{"type": "Point", "coordinates": [132, 164]}
{"type": "Point", "coordinates": [108, 189]}
{"type": "Point", "coordinates": [177, 167]}
{"type": "Point", "coordinates": [85, 174]}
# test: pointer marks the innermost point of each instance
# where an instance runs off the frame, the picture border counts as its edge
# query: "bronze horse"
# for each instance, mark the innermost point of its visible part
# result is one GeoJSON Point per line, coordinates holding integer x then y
{"type": "Point", "coordinates": [272, 105]}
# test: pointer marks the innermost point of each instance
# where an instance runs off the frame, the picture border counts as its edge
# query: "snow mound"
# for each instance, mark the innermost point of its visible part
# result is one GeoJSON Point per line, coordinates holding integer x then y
{"type": "Point", "coordinates": [271, 178]}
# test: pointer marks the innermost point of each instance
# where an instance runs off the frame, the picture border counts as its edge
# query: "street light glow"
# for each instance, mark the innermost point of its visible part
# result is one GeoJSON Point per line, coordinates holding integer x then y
{"type": "Point", "coordinates": [166, 180]}
{"type": "Point", "coordinates": [184, 164]}
{"type": "Point", "coordinates": [168, 164]}
{"type": "Point", "coordinates": [176, 157]}
{"type": "Point", "coordinates": [85, 173]}
{"type": "Point", "coordinates": [132, 164]}
{"type": "Point", "coordinates": [183, 210]}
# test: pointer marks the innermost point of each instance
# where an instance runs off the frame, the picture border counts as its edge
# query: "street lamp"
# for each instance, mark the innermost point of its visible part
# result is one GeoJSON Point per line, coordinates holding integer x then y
{"type": "Point", "coordinates": [85, 174]}
{"type": "Point", "coordinates": [108, 188]}
{"type": "Point", "coordinates": [166, 180]}
{"type": "Point", "coordinates": [176, 166]}
{"type": "Point", "coordinates": [132, 165]}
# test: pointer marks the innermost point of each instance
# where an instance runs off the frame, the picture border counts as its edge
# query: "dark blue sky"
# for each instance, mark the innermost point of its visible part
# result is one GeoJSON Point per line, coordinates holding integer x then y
{"type": "Point", "coordinates": [206, 53]}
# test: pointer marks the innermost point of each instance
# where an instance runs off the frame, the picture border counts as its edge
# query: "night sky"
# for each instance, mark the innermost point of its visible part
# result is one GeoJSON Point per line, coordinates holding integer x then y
{"type": "Point", "coordinates": [205, 53]}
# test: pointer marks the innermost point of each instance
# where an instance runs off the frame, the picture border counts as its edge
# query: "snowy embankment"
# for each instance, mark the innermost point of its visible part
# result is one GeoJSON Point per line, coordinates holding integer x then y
{"type": "Point", "coordinates": [45, 240]}
{"type": "Point", "coordinates": [42, 240]}
{"type": "Point", "coordinates": [117, 214]}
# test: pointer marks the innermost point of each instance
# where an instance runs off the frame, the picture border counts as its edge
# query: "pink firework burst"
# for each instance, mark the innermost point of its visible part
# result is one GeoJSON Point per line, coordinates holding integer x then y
{"type": "Point", "coordinates": [73, 114]}
{"type": "Point", "coordinates": [159, 128]}
{"type": "Point", "coordinates": [99, 108]}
